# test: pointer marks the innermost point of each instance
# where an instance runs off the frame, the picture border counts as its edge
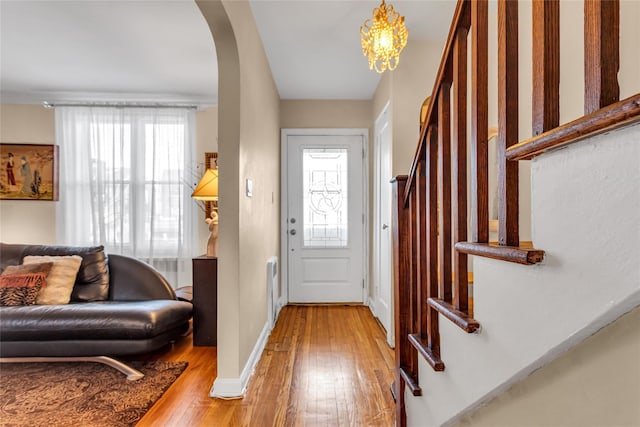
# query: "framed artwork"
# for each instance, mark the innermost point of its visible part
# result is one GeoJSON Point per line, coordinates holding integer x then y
{"type": "Point", "coordinates": [210, 162]}
{"type": "Point", "coordinates": [28, 172]}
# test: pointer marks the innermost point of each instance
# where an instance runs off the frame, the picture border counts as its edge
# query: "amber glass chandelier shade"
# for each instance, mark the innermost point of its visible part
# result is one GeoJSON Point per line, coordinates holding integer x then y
{"type": "Point", "coordinates": [383, 37]}
{"type": "Point", "coordinates": [207, 188]}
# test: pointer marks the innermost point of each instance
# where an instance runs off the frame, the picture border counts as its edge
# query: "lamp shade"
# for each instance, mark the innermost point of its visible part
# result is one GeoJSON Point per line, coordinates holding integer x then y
{"type": "Point", "coordinates": [207, 188]}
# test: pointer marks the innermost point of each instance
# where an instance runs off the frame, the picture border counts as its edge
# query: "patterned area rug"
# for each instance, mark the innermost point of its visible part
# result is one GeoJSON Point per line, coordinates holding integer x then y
{"type": "Point", "coordinates": [80, 394]}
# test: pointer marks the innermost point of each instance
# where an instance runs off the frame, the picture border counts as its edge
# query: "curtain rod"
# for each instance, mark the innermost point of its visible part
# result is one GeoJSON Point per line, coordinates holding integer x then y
{"type": "Point", "coordinates": [117, 105]}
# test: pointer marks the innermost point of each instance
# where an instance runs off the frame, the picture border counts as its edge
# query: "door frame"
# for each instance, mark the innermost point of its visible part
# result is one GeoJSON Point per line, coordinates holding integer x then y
{"type": "Point", "coordinates": [383, 117]}
{"type": "Point", "coordinates": [284, 201]}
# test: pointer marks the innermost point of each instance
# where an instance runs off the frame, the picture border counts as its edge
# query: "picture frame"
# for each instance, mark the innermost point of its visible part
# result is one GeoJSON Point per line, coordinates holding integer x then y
{"type": "Point", "coordinates": [210, 162]}
{"type": "Point", "coordinates": [28, 172]}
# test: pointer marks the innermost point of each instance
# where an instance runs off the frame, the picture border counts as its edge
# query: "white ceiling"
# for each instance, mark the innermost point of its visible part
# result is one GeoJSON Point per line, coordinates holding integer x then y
{"type": "Point", "coordinates": [314, 47]}
{"type": "Point", "coordinates": [105, 50]}
{"type": "Point", "coordinates": [162, 51]}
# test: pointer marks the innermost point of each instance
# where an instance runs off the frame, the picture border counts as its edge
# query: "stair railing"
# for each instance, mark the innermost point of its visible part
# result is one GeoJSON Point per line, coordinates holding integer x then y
{"type": "Point", "coordinates": [431, 239]}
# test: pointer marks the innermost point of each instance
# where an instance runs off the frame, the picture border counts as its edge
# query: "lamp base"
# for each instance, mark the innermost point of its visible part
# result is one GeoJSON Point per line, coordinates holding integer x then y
{"type": "Point", "coordinates": [212, 243]}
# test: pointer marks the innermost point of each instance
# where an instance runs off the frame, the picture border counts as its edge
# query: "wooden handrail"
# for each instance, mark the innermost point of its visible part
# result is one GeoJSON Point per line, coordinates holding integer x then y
{"type": "Point", "coordinates": [432, 241]}
{"type": "Point", "coordinates": [605, 119]}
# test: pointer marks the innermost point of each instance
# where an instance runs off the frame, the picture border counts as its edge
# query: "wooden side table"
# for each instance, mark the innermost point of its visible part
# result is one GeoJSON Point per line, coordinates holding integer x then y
{"type": "Point", "coordinates": [205, 301]}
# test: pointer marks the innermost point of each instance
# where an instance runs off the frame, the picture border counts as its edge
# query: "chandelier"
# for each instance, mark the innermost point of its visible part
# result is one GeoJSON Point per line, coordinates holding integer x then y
{"type": "Point", "coordinates": [384, 38]}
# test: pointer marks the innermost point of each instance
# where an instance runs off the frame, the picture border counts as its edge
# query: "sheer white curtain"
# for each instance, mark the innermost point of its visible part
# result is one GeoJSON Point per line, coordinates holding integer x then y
{"type": "Point", "coordinates": [123, 184]}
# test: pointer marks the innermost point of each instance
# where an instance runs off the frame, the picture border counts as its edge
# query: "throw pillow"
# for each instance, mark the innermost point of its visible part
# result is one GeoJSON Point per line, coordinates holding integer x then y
{"type": "Point", "coordinates": [92, 282]}
{"type": "Point", "coordinates": [20, 289]}
{"type": "Point", "coordinates": [60, 280]}
{"type": "Point", "coordinates": [44, 267]}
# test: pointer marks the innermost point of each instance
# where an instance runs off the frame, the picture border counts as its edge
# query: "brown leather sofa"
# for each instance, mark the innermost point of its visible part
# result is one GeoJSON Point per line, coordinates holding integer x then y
{"type": "Point", "coordinates": [119, 306]}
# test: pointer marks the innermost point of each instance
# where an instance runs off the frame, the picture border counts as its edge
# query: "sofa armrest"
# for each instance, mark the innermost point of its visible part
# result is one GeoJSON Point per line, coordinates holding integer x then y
{"type": "Point", "coordinates": [133, 280]}
{"type": "Point", "coordinates": [11, 254]}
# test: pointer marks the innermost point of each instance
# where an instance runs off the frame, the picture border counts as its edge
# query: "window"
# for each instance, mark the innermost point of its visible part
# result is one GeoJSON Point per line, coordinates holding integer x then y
{"type": "Point", "coordinates": [123, 184]}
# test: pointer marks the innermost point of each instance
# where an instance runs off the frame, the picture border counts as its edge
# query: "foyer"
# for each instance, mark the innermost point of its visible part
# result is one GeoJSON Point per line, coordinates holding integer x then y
{"type": "Point", "coordinates": [324, 365]}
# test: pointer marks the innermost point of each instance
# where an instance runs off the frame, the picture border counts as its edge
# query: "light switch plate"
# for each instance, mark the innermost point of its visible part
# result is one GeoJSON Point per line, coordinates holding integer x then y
{"type": "Point", "coordinates": [249, 186]}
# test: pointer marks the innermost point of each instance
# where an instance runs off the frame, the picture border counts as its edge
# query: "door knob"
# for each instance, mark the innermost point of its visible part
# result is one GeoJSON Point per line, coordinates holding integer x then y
{"type": "Point", "coordinates": [385, 226]}
{"type": "Point", "coordinates": [292, 232]}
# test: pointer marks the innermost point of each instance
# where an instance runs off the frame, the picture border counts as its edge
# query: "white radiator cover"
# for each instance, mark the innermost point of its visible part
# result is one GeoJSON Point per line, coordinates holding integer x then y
{"type": "Point", "coordinates": [273, 292]}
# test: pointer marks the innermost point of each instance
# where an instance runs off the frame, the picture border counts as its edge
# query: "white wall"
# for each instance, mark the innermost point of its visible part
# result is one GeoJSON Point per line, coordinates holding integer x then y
{"type": "Point", "coordinates": [585, 201]}
{"type": "Point", "coordinates": [572, 391]}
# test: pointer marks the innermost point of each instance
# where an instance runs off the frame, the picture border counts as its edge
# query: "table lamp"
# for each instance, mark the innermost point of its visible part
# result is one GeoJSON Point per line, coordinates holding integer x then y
{"type": "Point", "coordinates": [207, 191]}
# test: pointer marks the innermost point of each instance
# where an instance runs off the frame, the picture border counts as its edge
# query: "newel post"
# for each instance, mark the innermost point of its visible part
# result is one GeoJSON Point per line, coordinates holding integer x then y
{"type": "Point", "coordinates": [401, 272]}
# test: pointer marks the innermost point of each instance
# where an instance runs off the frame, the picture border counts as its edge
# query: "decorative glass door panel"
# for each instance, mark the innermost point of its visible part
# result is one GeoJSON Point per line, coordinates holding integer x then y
{"type": "Point", "coordinates": [325, 193]}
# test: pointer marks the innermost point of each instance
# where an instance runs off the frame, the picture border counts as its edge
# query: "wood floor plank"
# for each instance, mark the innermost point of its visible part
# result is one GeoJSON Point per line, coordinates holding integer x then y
{"type": "Point", "coordinates": [322, 366]}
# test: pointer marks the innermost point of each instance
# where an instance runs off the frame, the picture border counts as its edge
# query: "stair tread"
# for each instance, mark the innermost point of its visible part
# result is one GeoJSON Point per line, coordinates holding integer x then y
{"type": "Point", "coordinates": [461, 319]}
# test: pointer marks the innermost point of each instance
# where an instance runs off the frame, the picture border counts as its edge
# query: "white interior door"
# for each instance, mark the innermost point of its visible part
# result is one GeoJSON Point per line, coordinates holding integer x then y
{"type": "Point", "coordinates": [382, 264]}
{"type": "Point", "coordinates": [325, 218]}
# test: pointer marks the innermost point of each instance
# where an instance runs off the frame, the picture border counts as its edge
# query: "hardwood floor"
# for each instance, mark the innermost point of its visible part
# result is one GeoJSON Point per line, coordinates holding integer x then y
{"type": "Point", "coordinates": [322, 366]}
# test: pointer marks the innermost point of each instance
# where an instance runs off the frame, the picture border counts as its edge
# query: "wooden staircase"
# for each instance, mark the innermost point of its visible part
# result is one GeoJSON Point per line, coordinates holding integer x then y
{"type": "Point", "coordinates": [432, 240]}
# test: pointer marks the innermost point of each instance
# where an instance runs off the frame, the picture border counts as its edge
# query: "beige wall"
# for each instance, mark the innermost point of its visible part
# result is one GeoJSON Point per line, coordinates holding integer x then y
{"type": "Point", "coordinates": [381, 96]}
{"type": "Point", "coordinates": [23, 221]}
{"type": "Point", "coordinates": [595, 384]}
{"type": "Point", "coordinates": [259, 161]}
{"type": "Point", "coordinates": [412, 82]}
{"type": "Point", "coordinates": [249, 140]}
{"type": "Point", "coordinates": [26, 221]}
{"type": "Point", "coordinates": [629, 41]}
{"type": "Point", "coordinates": [406, 89]}
{"type": "Point", "coordinates": [325, 114]}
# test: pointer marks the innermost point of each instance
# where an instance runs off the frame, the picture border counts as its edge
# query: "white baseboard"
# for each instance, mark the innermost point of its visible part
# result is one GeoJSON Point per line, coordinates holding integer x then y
{"type": "Point", "coordinates": [228, 388]}
{"type": "Point", "coordinates": [372, 307]}
{"type": "Point", "coordinates": [281, 303]}
{"type": "Point", "coordinates": [391, 336]}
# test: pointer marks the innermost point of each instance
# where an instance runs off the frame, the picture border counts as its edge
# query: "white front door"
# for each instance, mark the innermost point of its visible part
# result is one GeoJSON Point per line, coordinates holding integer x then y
{"type": "Point", "coordinates": [382, 260]}
{"type": "Point", "coordinates": [325, 217]}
